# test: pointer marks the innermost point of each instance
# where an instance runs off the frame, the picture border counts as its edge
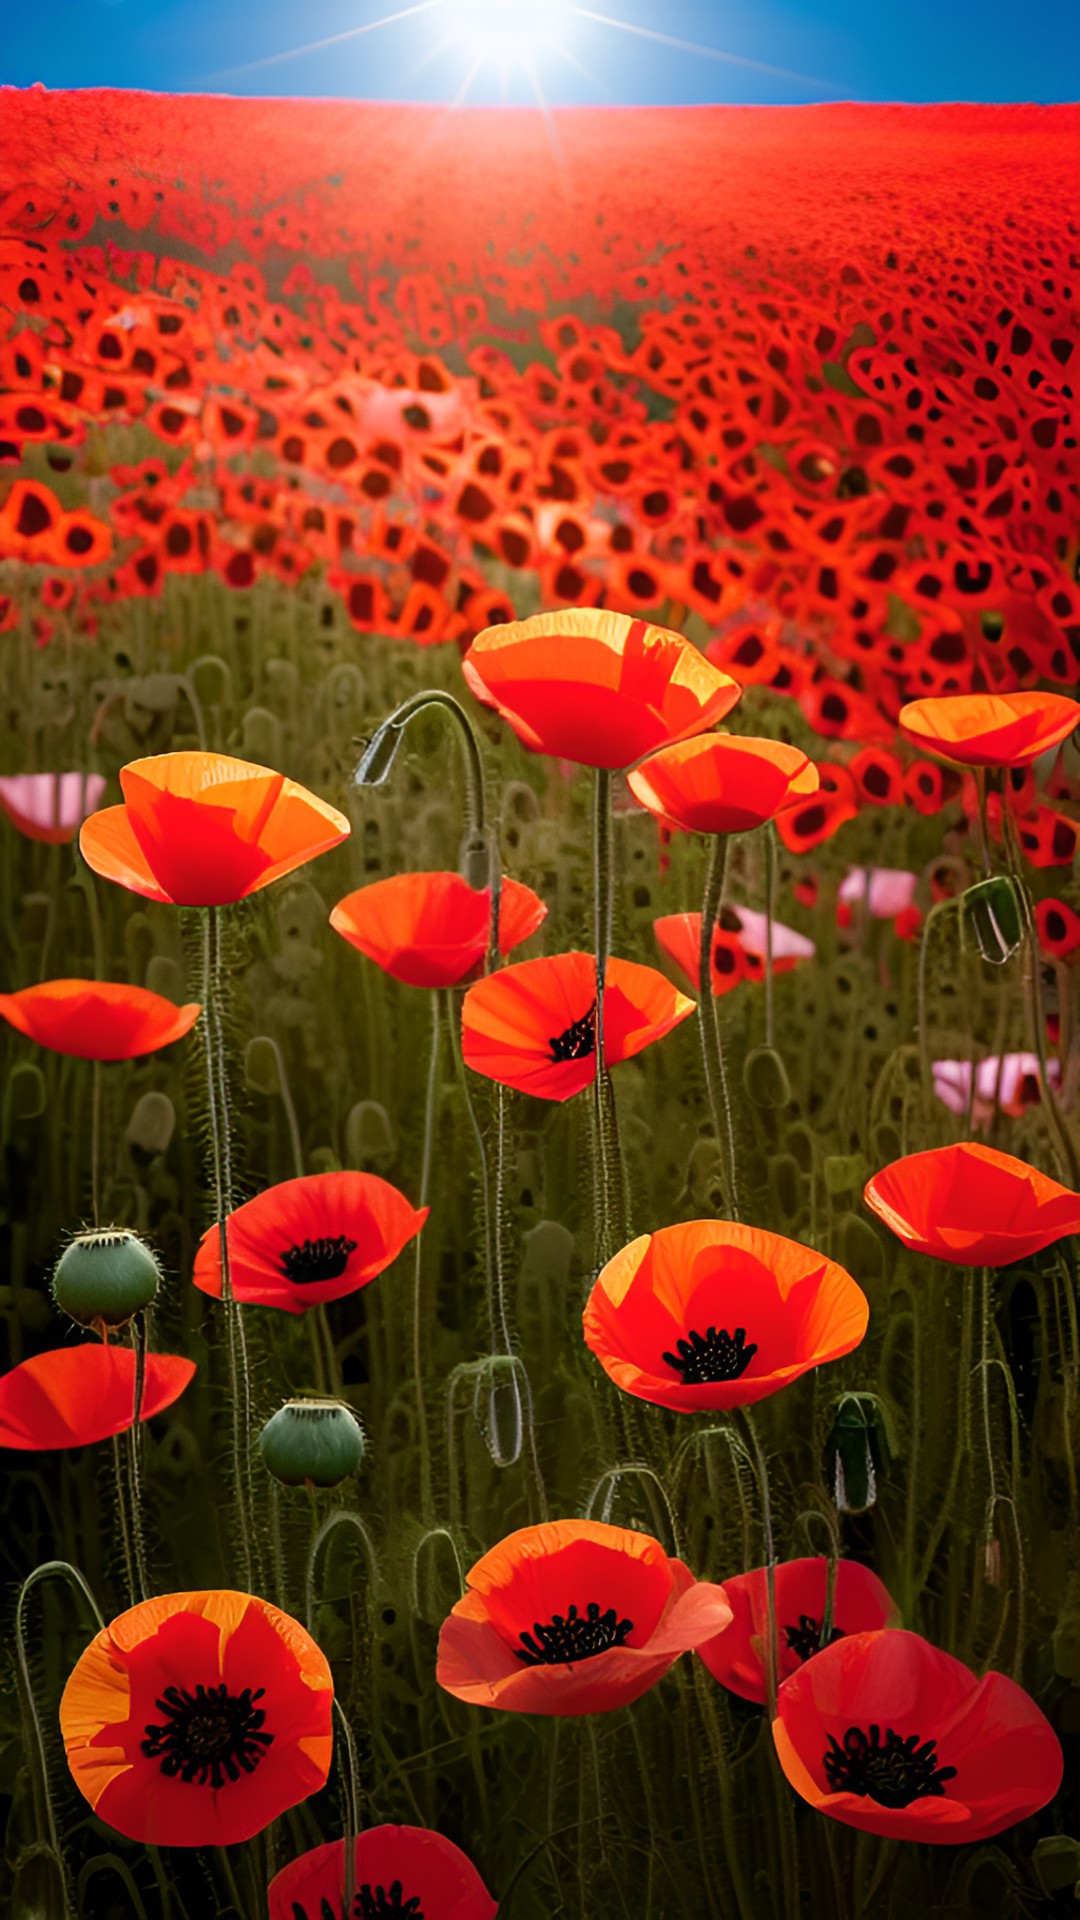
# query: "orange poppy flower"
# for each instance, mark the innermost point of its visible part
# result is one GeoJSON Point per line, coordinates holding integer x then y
{"type": "Point", "coordinates": [309, 1240]}
{"type": "Point", "coordinates": [722, 783]}
{"type": "Point", "coordinates": [72, 1396]}
{"type": "Point", "coordinates": [990, 729]}
{"type": "Point", "coordinates": [678, 935]}
{"type": "Point", "coordinates": [50, 806]}
{"type": "Point", "coordinates": [736, 1657]}
{"type": "Point", "coordinates": [972, 1205]}
{"type": "Point", "coordinates": [533, 1026]}
{"type": "Point", "coordinates": [884, 1732]}
{"type": "Point", "coordinates": [97, 1019]}
{"type": "Point", "coordinates": [201, 829]}
{"type": "Point", "coordinates": [193, 1720]}
{"type": "Point", "coordinates": [573, 1617]}
{"type": "Point", "coordinates": [710, 1314]}
{"type": "Point", "coordinates": [599, 688]}
{"type": "Point", "coordinates": [431, 929]}
{"type": "Point", "coordinates": [403, 1871]}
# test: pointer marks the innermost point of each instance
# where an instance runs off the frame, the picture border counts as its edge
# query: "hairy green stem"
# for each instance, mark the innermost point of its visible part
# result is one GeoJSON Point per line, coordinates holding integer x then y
{"type": "Point", "coordinates": [772, 1638]}
{"type": "Point", "coordinates": [427, 1155]}
{"type": "Point", "coordinates": [712, 1052]}
{"type": "Point", "coordinates": [609, 1198]}
{"type": "Point", "coordinates": [42, 1795]}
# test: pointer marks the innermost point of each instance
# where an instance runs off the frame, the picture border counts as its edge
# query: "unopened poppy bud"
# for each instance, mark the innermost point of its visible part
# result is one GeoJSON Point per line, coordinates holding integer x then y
{"type": "Point", "coordinates": [991, 913]}
{"type": "Point", "coordinates": [497, 1408]}
{"type": "Point", "coordinates": [104, 1277]}
{"type": "Point", "coordinates": [765, 1078]}
{"type": "Point", "coordinates": [476, 860]}
{"type": "Point", "coordinates": [379, 755]}
{"type": "Point", "coordinates": [856, 1452]}
{"type": "Point", "coordinates": [317, 1440]}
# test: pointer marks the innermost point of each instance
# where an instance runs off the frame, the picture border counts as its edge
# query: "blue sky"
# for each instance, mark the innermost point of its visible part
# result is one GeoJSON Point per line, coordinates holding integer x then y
{"type": "Point", "coordinates": [832, 49]}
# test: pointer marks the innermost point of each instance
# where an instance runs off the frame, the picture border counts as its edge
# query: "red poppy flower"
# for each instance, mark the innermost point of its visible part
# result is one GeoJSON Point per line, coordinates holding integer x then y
{"type": "Point", "coordinates": [406, 1871]}
{"type": "Point", "coordinates": [1059, 928]}
{"type": "Point", "coordinates": [679, 936]}
{"type": "Point", "coordinates": [97, 1019]}
{"type": "Point", "coordinates": [972, 1205]}
{"type": "Point", "coordinates": [72, 1396]}
{"type": "Point", "coordinates": [310, 1240]}
{"type": "Point", "coordinates": [50, 806]}
{"type": "Point", "coordinates": [888, 1734]}
{"type": "Point", "coordinates": [878, 777]}
{"type": "Point", "coordinates": [736, 1657]}
{"type": "Point", "coordinates": [924, 786]}
{"type": "Point", "coordinates": [722, 783]}
{"type": "Point", "coordinates": [816, 819]}
{"type": "Point", "coordinates": [990, 729]}
{"type": "Point", "coordinates": [533, 1026]}
{"type": "Point", "coordinates": [573, 1617]}
{"type": "Point", "coordinates": [599, 688]}
{"type": "Point", "coordinates": [710, 1314]}
{"type": "Point", "coordinates": [193, 1720]}
{"type": "Point", "coordinates": [201, 830]}
{"type": "Point", "coordinates": [431, 929]}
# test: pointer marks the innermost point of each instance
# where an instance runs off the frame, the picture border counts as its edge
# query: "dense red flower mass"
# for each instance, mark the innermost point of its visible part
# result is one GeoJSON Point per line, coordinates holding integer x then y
{"type": "Point", "coordinates": [431, 929]}
{"type": "Point", "coordinates": [533, 1026]}
{"type": "Point", "coordinates": [991, 729]}
{"type": "Point", "coordinates": [736, 1657]}
{"type": "Point", "coordinates": [885, 1733]}
{"type": "Point", "coordinates": [722, 783]}
{"type": "Point", "coordinates": [309, 1240]}
{"type": "Point", "coordinates": [598, 688]}
{"type": "Point", "coordinates": [97, 1019]}
{"type": "Point", "coordinates": [72, 1396]}
{"type": "Point", "coordinates": [407, 1871]}
{"type": "Point", "coordinates": [201, 829]}
{"type": "Point", "coordinates": [711, 1314]}
{"type": "Point", "coordinates": [972, 1205]}
{"type": "Point", "coordinates": [573, 1617]}
{"type": "Point", "coordinates": [193, 1720]}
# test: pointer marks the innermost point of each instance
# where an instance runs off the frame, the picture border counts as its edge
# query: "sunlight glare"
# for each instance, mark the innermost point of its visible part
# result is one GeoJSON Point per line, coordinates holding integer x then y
{"type": "Point", "coordinates": [508, 33]}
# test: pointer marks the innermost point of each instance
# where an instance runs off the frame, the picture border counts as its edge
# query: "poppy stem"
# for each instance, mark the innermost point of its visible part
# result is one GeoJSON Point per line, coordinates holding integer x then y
{"type": "Point", "coordinates": [988, 1432]}
{"type": "Point", "coordinates": [770, 907]}
{"type": "Point", "coordinates": [379, 754]}
{"type": "Point", "coordinates": [43, 1805]}
{"type": "Point", "coordinates": [351, 1771]}
{"type": "Point", "coordinates": [134, 1452]}
{"type": "Point", "coordinates": [712, 1052]}
{"type": "Point", "coordinates": [772, 1638]}
{"type": "Point", "coordinates": [239, 1377]}
{"type": "Point", "coordinates": [122, 1517]}
{"type": "Point", "coordinates": [983, 831]}
{"type": "Point", "coordinates": [611, 1226]}
{"type": "Point", "coordinates": [428, 1152]}
{"type": "Point", "coordinates": [95, 1142]}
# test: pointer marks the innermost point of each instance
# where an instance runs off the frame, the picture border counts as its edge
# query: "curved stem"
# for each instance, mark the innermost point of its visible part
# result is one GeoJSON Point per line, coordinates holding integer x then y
{"type": "Point", "coordinates": [430, 1112]}
{"type": "Point", "coordinates": [711, 1049]}
{"type": "Point", "coordinates": [340, 1517]}
{"type": "Point", "coordinates": [378, 756]}
{"type": "Point", "coordinates": [46, 1571]}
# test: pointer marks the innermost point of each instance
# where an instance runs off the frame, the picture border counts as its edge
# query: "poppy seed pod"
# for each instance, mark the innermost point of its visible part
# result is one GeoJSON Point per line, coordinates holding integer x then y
{"type": "Point", "coordinates": [992, 917]}
{"type": "Point", "coordinates": [317, 1440]}
{"type": "Point", "coordinates": [105, 1276]}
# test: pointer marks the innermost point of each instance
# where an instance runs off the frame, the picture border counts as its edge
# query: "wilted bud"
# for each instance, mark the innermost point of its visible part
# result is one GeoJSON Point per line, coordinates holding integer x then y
{"type": "Point", "coordinates": [105, 1277]}
{"type": "Point", "coordinates": [992, 917]}
{"type": "Point", "coordinates": [317, 1440]}
{"type": "Point", "coordinates": [856, 1452]}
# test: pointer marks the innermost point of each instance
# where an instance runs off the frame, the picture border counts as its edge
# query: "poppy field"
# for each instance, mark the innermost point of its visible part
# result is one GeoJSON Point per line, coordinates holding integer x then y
{"type": "Point", "coordinates": [539, 940]}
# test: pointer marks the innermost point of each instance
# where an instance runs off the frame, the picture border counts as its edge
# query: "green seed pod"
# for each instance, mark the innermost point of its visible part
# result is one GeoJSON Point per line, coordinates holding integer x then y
{"type": "Point", "coordinates": [105, 1277]}
{"type": "Point", "coordinates": [991, 913]}
{"type": "Point", "coordinates": [317, 1440]}
{"type": "Point", "coordinates": [857, 1452]}
{"type": "Point", "coordinates": [765, 1078]}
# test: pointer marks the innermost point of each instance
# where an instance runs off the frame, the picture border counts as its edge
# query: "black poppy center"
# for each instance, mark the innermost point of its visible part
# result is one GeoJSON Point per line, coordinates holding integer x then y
{"type": "Point", "coordinates": [715, 1355]}
{"type": "Point", "coordinates": [377, 1903]}
{"type": "Point", "coordinates": [578, 1041]}
{"type": "Point", "coordinates": [208, 1736]}
{"type": "Point", "coordinates": [894, 1772]}
{"type": "Point", "coordinates": [804, 1639]}
{"type": "Point", "coordinates": [317, 1260]}
{"type": "Point", "coordinates": [580, 1636]}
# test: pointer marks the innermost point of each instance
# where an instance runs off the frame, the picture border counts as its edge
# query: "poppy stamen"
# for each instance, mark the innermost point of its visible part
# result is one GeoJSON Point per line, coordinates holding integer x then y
{"type": "Point", "coordinates": [805, 1638]}
{"type": "Point", "coordinates": [316, 1260]}
{"type": "Point", "coordinates": [210, 1735]}
{"type": "Point", "coordinates": [711, 1356]}
{"type": "Point", "coordinates": [893, 1773]}
{"type": "Point", "coordinates": [578, 1040]}
{"type": "Point", "coordinates": [386, 1903]}
{"type": "Point", "coordinates": [577, 1637]}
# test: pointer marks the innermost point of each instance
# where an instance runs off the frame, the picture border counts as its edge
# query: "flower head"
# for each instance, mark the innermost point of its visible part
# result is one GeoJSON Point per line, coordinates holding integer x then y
{"type": "Point", "coordinates": [201, 829]}
{"type": "Point", "coordinates": [50, 806]}
{"type": "Point", "coordinates": [193, 1720]}
{"type": "Point", "coordinates": [711, 1314]}
{"type": "Point", "coordinates": [97, 1019]}
{"type": "Point", "coordinates": [404, 1871]}
{"type": "Point", "coordinates": [972, 1205]}
{"type": "Point", "coordinates": [309, 1240]}
{"type": "Point", "coordinates": [885, 1733]}
{"type": "Point", "coordinates": [533, 1026]}
{"type": "Point", "coordinates": [736, 1657]}
{"type": "Point", "coordinates": [991, 729]}
{"type": "Point", "coordinates": [722, 783]}
{"type": "Point", "coordinates": [72, 1396]}
{"type": "Point", "coordinates": [431, 929]}
{"type": "Point", "coordinates": [595, 687]}
{"type": "Point", "coordinates": [573, 1617]}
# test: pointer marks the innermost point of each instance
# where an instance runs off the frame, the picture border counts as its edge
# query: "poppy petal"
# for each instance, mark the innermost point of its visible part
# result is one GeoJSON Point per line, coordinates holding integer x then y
{"type": "Point", "coordinates": [73, 1396]}
{"type": "Point", "coordinates": [97, 1019]}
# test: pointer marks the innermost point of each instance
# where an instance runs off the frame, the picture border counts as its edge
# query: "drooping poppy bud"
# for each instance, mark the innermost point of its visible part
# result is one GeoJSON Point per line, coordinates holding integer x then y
{"type": "Point", "coordinates": [105, 1277]}
{"type": "Point", "coordinates": [992, 917]}
{"type": "Point", "coordinates": [317, 1440]}
{"type": "Point", "coordinates": [857, 1452]}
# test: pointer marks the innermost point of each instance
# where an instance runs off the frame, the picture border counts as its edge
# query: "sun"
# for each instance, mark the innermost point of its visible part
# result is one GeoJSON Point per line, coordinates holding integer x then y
{"type": "Point", "coordinates": [507, 34]}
